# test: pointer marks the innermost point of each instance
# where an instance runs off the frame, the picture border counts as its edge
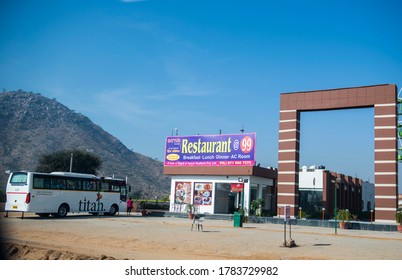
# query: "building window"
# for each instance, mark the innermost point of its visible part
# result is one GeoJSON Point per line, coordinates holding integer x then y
{"type": "Point", "coordinates": [311, 201]}
{"type": "Point", "coordinates": [253, 192]}
{"type": "Point", "coordinates": [269, 200]}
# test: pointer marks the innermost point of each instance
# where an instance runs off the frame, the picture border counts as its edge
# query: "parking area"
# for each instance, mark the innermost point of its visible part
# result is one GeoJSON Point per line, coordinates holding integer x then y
{"type": "Point", "coordinates": [157, 238]}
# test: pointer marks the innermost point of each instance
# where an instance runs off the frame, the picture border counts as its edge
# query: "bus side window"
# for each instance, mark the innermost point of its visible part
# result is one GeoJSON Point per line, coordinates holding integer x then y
{"type": "Point", "coordinates": [38, 183]}
{"type": "Point", "coordinates": [46, 183]}
{"type": "Point", "coordinates": [115, 188]}
{"type": "Point", "coordinates": [94, 186]}
{"type": "Point", "coordinates": [78, 185]}
{"type": "Point", "coordinates": [73, 184]}
{"type": "Point", "coordinates": [104, 186]}
{"type": "Point", "coordinates": [58, 184]}
{"type": "Point", "coordinates": [85, 185]}
{"type": "Point", "coordinates": [89, 185]}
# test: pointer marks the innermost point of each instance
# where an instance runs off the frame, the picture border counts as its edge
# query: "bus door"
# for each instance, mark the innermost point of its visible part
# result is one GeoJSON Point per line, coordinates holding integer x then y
{"type": "Point", "coordinates": [123, 193]}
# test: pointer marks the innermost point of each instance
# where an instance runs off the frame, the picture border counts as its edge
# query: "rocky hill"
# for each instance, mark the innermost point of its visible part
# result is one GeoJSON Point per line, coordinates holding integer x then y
{"type": "Point", "coordinates": [31, 125]}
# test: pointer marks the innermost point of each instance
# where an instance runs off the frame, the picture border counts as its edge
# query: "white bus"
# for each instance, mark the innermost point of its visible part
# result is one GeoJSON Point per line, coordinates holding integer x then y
{"type": "Point", "coordinates": [58, 193]}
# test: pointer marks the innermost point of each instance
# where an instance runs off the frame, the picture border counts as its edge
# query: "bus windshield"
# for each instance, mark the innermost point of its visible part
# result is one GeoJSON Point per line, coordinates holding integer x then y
{"type": "Point", "coordinates": [19, 178]}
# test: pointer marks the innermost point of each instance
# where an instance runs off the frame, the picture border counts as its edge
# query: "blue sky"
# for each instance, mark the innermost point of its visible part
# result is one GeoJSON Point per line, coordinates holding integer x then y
{"type": "Point", "coordinates": [140, 69]}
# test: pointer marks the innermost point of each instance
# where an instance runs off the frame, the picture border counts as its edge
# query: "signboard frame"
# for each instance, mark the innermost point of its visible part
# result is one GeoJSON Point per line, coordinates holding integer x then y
{"type": "Point", "coordinates": [211, 150]}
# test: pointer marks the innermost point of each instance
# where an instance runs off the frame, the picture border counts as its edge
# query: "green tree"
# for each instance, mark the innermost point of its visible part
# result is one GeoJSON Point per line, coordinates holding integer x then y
{"type": "Point", "coordinates": [83, 162]}
{"type": "Point", "coordinates": [2, 196]}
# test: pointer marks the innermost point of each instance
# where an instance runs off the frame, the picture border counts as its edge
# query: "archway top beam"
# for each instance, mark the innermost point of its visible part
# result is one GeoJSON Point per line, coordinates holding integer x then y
{"type": "Point", "coordinates": [343, 98]}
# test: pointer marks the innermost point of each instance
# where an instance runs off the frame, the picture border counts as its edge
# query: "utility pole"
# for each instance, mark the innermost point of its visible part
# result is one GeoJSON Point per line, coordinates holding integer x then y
{"type": "Point", "coordinates": [71, 163]}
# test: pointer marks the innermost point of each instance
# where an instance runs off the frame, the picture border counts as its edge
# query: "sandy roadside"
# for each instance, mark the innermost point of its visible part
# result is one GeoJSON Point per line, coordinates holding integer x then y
{"type": "Point", "coordinates": [162, 238]}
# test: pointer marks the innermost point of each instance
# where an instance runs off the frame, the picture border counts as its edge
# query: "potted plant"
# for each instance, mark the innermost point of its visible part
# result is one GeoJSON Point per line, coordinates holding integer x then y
{"type": "Point", "coordinates": [190, 210]}
{"type": "Point", "coordinates": [256, 206]}
{"type": "Point", "coordinates": [398, 217]}
{"type": "Point", "coordinates": [343, 216]}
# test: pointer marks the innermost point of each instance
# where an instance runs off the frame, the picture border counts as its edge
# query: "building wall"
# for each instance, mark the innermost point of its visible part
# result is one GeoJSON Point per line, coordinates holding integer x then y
{"type": "Point", "coordinates": [348, 193]}
{"type": "Point", "coordinates": [217, 198]}
{"type": "Point", "coordinates": [252, 177]}
{"type": "Point", "coordinates": [311, 189]}
{"type": "Point", "coordinates": [368, 196]}
{"type": "Point", "coordinates": [311, 178]}
{"type": "Point", "coordinates": [352, 193]}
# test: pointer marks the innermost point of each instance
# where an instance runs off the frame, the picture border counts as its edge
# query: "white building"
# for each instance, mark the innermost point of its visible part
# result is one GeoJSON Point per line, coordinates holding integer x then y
{"type": "Point", "coordinates": [317, 186]}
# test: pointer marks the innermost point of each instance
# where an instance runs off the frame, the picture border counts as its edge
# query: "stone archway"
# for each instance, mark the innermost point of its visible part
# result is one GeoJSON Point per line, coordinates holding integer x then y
{"type": "Point", "coordinates": [384, 100]}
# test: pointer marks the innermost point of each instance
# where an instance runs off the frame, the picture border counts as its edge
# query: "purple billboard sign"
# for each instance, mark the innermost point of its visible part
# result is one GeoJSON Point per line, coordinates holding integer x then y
{"type": "Point", "coordinates": [211, 150]}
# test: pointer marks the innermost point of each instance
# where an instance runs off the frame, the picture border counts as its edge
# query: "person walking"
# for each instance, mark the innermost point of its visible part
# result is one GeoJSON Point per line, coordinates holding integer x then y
{"type": "Point", "coordinates": [129, 206]}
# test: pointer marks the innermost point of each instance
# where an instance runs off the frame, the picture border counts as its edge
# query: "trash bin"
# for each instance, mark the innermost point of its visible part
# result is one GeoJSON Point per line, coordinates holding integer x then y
{"type": "Point", "coordinates": [237, 219]}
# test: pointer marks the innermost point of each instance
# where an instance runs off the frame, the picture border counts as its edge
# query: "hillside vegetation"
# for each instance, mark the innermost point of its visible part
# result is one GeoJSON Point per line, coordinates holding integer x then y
{"type": "Point", "coordinates": [31, 125]}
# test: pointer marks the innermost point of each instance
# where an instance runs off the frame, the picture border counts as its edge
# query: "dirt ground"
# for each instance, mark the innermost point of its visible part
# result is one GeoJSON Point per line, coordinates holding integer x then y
{"type": "Point", "coordinates": [135, 237]}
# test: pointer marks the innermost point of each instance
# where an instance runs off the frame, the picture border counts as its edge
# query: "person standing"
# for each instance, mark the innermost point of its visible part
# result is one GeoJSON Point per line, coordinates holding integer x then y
{"type": "Point", "coordinates": [129, 206]}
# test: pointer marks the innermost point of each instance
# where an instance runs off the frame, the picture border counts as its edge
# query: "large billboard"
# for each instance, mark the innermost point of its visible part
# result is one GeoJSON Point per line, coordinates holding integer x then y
{"type": "Point", "coordinates": [211, 150]}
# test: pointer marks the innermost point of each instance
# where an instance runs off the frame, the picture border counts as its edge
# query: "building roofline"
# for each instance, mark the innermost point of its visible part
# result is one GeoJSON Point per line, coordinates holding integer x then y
{"type": "Point", "coordinates": [317, 90]}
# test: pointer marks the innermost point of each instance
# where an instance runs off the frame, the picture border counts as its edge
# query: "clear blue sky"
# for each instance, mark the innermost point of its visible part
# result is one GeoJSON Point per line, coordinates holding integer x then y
{"type": "Point", "coordinates": [140, 69]}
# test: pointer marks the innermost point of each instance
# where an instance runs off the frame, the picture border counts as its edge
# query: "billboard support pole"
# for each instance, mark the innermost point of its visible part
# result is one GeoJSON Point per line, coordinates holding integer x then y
{"type": "Point", "coordinates": [286, 218]}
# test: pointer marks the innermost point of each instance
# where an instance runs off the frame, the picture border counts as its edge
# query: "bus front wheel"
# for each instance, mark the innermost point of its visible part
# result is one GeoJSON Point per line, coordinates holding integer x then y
{"type": "Point", "coordinates": [63, 210]}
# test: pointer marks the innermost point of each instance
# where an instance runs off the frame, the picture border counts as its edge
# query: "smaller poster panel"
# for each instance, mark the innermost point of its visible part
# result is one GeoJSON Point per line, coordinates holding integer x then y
{"type": "Point", "coordinates": [182, 193]}
{"type": "Point", "coordinates": [287, 213]}
{"type": "Point", "coordinates": [236, 187]}
{"type": "Point", "coordinates": [203, 193]}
